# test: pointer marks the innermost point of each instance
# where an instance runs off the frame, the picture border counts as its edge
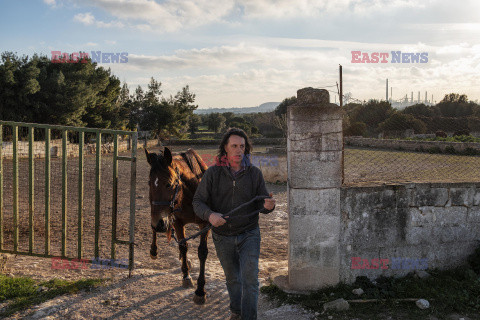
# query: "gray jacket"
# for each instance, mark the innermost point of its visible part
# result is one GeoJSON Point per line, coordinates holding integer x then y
{"type": "Point", "coordinates": [219, 191]}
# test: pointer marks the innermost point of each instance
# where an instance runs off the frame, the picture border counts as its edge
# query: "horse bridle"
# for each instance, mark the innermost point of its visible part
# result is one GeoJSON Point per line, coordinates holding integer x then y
{"type": "Point", "coordinates": [172, 202]}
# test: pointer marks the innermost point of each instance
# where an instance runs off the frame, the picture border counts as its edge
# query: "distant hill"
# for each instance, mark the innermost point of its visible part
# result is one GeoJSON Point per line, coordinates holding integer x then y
{"type": "Point", "coordinates": [264, 107]}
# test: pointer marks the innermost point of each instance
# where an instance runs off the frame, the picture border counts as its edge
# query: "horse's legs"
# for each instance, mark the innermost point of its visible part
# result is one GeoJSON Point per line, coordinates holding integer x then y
{"type": "Point", "coordinates": [180, 232]}
{"type": "Point", "coordinates": [200, 294]}
{"type": "Point", "coordinates": [153, 247]}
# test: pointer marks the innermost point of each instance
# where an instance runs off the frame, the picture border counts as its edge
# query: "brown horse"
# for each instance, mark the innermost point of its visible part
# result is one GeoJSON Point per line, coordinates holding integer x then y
{"type": "Point", "coordinates": [173, 181]}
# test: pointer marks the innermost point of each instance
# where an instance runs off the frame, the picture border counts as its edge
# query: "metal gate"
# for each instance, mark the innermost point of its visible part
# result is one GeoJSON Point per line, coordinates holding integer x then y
{"type": "Point", "coordinates": [50, 173]}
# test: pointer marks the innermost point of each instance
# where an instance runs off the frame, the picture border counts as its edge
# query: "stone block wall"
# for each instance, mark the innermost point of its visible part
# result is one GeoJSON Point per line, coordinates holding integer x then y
{"type": "Point", "coordinates": [432, 225]}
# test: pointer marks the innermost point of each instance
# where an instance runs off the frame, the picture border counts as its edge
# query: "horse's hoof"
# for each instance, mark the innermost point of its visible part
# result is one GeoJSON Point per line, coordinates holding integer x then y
{"type": "Point", "coordinates": [153, 256]}
{"type": "Point", "coordinates": [187, 283]}
{"type": "Point", "coordinates": [199, 299]}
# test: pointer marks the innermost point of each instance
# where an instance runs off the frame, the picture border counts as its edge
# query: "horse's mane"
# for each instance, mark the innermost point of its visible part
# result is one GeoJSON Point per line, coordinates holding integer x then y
{"type": "Point", "coordinates": [194, 162]}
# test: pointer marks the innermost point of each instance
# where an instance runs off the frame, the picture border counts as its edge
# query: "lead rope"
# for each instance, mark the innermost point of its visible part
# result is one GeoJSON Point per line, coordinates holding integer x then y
{"type": "Point", "coordinates": [184, 241]}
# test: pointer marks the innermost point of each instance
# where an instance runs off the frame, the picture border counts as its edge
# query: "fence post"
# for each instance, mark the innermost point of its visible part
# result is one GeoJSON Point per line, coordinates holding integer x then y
{"type": "Point", "coordinates": [314, 153]}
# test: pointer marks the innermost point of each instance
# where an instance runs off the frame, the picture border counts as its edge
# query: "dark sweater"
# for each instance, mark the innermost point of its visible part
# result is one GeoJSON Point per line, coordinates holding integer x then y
{"type": "Point", "coordinates": [219, 191]}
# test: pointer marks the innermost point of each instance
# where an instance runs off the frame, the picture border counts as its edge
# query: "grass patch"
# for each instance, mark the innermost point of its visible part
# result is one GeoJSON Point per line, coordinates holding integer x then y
{"type": "Point", "coordinates": [25, 292]}
{"type": "Point", "coordinates": [450, 291]}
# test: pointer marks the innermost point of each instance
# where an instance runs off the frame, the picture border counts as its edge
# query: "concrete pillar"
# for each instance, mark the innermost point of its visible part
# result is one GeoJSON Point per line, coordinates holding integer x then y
{"type": "Point", "coordinates": [314, 157]}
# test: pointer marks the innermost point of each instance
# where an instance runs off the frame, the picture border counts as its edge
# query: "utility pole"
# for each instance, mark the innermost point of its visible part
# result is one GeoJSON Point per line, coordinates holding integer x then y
{"type": "Point", "coordinates": [341, 86]}
{"type": "Point", "coordinates": [386, 98]}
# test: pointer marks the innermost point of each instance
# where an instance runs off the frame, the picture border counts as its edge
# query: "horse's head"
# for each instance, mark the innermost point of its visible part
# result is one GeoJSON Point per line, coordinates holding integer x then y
{"type": "Point", "coordinates": [164, 185]}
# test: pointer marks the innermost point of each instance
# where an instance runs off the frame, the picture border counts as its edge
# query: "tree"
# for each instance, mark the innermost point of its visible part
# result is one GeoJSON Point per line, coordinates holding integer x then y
{"type": "Point", "coordinates": [454, 98]}
{"type": "Point", "coordinates": [399, 122]}
{"type": "Point", "coordinates": [282, 107]}
{"type": "Point", "coordinates": [356, 129]}
{"type": "Point", "coordinates": [79, 94]}
{"type": "Point", "coordinates": [265, 122]}
{"type": "Point", "coordinates": [183, 108]}
{"type": "Point", "coordinates": [215, 122]}
{"type": "Point", "coordinates": [167, 116]}
{"type": "Point", "coordinates": [456, 105]}
{"type": "Point", "coordinates": [280, 120]}
{"type": "Point", "coordinates": [421, 109]}
{"type": "Point", "coordinates": [18, 85]}
{"type": "Point", "coordinates": [372, 114]}
{"type": "Point", "coordinates": [228, 115]}
{"type": "Point", "coordinates": [193, 123]}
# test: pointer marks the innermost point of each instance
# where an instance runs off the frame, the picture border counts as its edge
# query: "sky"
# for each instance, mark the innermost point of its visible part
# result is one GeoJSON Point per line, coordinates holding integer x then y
{"type": "Point", "coordinates": [242, 53]}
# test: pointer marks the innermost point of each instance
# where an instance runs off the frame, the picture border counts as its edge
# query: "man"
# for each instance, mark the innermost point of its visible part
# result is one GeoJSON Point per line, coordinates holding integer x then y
{"type": "Point", "coordinates": [231, 182]}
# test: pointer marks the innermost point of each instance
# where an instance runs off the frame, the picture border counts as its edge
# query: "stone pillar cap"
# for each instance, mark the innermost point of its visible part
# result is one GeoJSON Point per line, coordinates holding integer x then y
{"type": "Point", "coordinates": [313, 96]}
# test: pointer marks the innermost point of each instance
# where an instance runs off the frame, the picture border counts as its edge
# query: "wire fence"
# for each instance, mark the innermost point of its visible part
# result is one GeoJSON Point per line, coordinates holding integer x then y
{"type": "Point", "coordinates": [414, 149]}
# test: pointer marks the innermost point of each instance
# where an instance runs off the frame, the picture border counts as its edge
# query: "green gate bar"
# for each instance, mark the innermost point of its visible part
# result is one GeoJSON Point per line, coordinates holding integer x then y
{"type": "Point", "coordinates": [1, 187]}
{"type": "Point", "coordinates": [114, 200]}
{"type": "Point", "coordinates": [15, 187]}
{"type": "Point", "coordinates": [133, 179]}
{"type": "Point", "coordinates": [64, 193]}
{"type": "Point", "coordinates": [47, 191]}
{"type": "Point", "coordinates": [81, 138]}
{"type": "Point", "coordinates": [97, 193]}
{"type": "Point", "coordinates": [31, 170]}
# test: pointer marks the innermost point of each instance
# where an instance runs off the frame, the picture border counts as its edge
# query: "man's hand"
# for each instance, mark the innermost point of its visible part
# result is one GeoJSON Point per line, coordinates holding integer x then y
{"type": "Point", "coordinates": [269, 202]}
{"type": "Point", "coordinates": [216, 219]}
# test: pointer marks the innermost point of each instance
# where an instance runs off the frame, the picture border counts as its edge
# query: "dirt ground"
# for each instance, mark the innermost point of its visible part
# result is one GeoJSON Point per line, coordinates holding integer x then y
{"type": "Point", "coordinates": [154, 291]}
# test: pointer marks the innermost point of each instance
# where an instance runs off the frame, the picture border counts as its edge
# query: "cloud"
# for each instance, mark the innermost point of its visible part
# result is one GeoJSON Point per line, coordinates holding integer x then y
{"type": "Point", "coordinates": [88, 19]}
{"type": "Point", "coordinates": [50, 2]}
{"type": "Point", "coordinates": [167, 16]}
{"type": "Point", "coordinates": [85, 18]}
{"type": "Point", "coordinates": [314, 8]}
{"type": "Point", "coordinates": [247, 74]}
{"type": "Point", "coordinates": [347, 19]}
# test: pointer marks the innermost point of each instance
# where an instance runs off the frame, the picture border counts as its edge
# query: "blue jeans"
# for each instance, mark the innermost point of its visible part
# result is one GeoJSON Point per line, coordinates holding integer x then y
{"type": "Point", "coordinates": [239, 257]}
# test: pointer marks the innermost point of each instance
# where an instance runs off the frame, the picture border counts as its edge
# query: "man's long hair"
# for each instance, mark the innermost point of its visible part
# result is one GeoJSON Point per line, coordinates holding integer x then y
{"type": "Point", "coordinates": [233, 131]}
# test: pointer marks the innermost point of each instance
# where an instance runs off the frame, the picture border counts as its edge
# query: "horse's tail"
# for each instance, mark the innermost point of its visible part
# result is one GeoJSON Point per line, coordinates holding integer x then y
{"type": "Point", "coordinates": [195, 162]}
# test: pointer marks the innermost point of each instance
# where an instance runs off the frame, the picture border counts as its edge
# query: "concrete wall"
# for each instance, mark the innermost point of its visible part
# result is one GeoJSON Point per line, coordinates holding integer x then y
{"type": "Point", "coordinates": [434, 224]}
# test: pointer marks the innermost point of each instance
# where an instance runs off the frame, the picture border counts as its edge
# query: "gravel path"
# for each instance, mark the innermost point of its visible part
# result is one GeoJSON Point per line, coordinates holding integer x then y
{"type": "Point", "coordinates": [154, 291]}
